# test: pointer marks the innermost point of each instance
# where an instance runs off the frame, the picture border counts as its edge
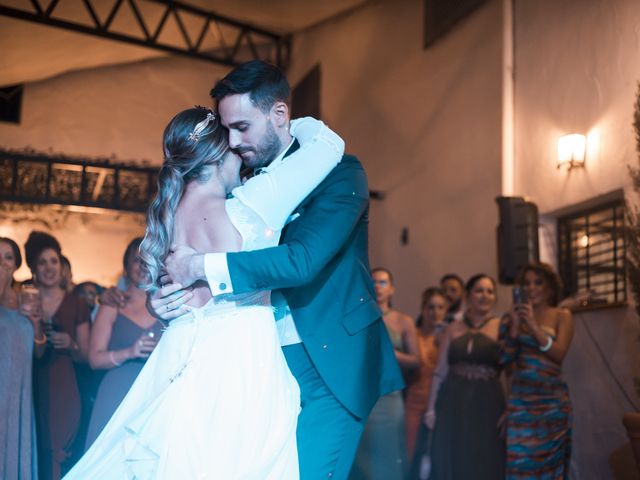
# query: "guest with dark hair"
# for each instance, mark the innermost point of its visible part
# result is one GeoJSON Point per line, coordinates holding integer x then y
{"type": "Point", "coordinates": [538, 409]}
{"type": "Point", "coordinates": [467, 400]}
{"type": "Point", "coordinates": [20, 339]}
{"type": "Point", "coordinates": [58, 406]}
{"type": "Point", "coordinates": [453, 287]}
{"type": "Point", "coordinates": [431, 319]}
{"type": "Point", "coordinates": [10, 260]}
{"type": "Point", "coordinates": [89, 291]}
{"type": "Point", "coordinates": [67, 275]}
{"type": "Point", "coordinates": [88, 378]}
{"type": "Point", "coordinates": [121, 341]}
{"type": "Point", "coordinates": [382, 453]}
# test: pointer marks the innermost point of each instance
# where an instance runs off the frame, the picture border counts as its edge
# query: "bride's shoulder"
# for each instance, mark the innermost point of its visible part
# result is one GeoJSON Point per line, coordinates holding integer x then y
{"type": "Point", "coordinates": [191, 203]}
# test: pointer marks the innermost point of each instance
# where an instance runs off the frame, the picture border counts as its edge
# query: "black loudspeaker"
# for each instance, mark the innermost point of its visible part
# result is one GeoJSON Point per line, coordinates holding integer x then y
{"type": "Point", "coordinates": [517, 236]}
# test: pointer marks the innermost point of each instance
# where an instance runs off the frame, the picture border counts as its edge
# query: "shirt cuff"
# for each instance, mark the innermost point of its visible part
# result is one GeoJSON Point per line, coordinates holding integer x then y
{"type": "Point", "coordinates": [217, 272]}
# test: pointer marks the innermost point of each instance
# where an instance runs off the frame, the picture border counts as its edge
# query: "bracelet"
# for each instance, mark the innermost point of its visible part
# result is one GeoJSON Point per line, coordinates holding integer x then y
{"type": "Point", "coordinates": [40, 342]}
{"type": "Point", "coordinates": [548, 344]}
{"type": "Point", "coordinates": [113, 359]}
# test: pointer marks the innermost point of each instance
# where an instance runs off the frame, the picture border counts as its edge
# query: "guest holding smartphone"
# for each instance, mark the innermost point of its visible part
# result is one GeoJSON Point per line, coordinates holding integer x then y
{"type": "Point", "coordinates": [538, 417]}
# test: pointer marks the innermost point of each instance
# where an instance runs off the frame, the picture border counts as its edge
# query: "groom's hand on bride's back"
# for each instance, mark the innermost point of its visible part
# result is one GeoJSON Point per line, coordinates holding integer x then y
{"type": "Point", "coordinates": [169, 301]}
{"type": "Point", "coordinates": [184, 265]}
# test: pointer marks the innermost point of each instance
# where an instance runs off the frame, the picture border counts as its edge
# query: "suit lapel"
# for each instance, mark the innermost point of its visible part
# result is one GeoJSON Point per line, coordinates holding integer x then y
{"type": "Point", "coordinates": [294, 146]}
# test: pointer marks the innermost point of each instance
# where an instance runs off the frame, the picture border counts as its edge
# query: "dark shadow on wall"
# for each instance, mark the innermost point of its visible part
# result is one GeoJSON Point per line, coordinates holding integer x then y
{"type": "Point", "coordinates": [623, 465]}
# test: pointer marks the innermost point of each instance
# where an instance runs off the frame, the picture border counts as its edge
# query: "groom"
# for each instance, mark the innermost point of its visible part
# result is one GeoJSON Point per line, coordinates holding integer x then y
{"type": "Point", "coordinates": [330, 327]}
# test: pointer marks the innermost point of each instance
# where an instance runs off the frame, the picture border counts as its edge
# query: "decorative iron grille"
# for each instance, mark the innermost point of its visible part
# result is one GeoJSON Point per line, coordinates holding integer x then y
{"type": "Point", "coordinates": [592, 254]}
{"type": "Point", "coordinates": [30, 177]}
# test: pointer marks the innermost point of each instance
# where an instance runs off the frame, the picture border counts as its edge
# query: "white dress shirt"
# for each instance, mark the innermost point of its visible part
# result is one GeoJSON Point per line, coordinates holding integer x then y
{"type": "Point", "coordinates": [264, 195]}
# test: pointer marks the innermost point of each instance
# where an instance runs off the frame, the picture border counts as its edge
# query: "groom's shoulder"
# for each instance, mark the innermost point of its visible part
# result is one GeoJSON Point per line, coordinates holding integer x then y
{"type": "Point", "coordinates": [349, 171]}
{"type": "Point", "coordinates": [350, 162]}
{"type": "Point", "coordinates": [347, 157]}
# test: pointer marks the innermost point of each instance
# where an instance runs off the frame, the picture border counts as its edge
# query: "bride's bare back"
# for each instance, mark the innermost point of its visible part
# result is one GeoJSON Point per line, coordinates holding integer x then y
{"type": "Point", "coordinates": [202, 223]}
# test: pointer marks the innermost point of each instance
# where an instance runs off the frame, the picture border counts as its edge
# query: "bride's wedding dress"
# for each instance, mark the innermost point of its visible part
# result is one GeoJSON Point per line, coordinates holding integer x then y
{"type": "Point", "coordinates": [216, 399]}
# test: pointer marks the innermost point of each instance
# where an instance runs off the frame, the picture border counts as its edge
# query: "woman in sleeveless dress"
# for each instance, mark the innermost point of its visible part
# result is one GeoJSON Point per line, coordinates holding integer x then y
{"type": "Point", "coordinates": [467, 400]}
{"type": "Point", "coordinates": [538, 407]}
{"type": "Point", "coordinates": [56, 394]}
{"type": "Point", "coordinates": [215, 399]}
{"type": "Point", "coordinates": [121, 341]}
{"type": "Point", "coordinates": [382, 452]}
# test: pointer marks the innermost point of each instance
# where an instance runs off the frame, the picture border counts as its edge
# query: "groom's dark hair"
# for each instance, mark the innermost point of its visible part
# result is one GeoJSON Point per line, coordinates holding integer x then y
{"type": "Point", "coordinates": [265, 83]}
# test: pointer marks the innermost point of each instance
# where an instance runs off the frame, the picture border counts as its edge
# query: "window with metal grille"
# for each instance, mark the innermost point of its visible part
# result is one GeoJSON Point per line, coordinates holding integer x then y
{"type": "Point", "coordinates": [592, 255]}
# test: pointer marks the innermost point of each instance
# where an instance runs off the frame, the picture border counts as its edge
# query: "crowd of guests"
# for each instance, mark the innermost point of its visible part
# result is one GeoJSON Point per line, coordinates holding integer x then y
{"type": "Point", "coordinates": [484, 396]}
{"type": "Point", "coordinates": [67, 364]}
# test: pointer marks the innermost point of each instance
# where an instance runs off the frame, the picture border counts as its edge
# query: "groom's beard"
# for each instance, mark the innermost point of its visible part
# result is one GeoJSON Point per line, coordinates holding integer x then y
{"type": "Point", "coordinates": [265, 152]}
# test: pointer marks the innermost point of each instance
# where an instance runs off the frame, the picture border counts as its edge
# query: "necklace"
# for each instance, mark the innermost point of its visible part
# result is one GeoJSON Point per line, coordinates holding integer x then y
{"type": "Point", "coordinates": [474, 330]}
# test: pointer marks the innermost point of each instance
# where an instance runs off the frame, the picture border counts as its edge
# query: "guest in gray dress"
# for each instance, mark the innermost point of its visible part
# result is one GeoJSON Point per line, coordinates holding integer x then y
{"type": "Point", "coordinates": [20, 339]}
{"type": "Point", "coordinates": [121, 341]}
{"type": "Point", "coordinates": [382, 452]}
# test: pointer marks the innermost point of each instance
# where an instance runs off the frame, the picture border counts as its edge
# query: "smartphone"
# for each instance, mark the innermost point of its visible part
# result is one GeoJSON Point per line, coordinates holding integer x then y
{"type": "Point", "coordinates": [519, 296]}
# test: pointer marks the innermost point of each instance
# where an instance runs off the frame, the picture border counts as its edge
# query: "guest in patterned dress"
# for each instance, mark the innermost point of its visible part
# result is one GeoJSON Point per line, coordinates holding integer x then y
{"type": "Point", "coordinates": [382, 452]}
{"type": "Point", "coordinates": [121, 341]}
{"type": "Point", "coordinates": [539, 409]}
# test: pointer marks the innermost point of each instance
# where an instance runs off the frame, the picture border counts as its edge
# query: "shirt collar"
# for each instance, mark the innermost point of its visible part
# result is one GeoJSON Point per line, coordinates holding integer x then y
{"type": "Point", "coordinates": [276, 161]}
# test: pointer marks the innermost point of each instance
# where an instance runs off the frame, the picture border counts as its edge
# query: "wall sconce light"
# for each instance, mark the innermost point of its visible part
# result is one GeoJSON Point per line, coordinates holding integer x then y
{"type": "Point", "coordinates": [571, 150]}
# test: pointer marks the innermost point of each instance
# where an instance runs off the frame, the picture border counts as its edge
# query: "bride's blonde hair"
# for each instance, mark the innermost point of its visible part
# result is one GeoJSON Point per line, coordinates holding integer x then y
{"type": "Point", "coordinates": [193, 140]}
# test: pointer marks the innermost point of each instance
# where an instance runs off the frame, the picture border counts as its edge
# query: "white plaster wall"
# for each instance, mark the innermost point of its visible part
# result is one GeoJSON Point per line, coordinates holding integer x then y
{"type": "Point", "coordinates": [426, 125]}
{"type": "Point", "coordinates": [576, 72]}
{"type": "Point", "coordinates": [118, 111]}
{"type": "Point", "coordinates": [93, 242]}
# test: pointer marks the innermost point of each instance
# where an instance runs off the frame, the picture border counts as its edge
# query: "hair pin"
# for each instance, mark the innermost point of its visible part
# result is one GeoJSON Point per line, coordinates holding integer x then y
{"type": "Point", "coordinates": [199, 128]}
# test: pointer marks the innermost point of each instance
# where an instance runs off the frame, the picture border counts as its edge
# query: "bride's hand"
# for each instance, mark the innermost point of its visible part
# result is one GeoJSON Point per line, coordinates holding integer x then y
{"type": "Point", "coordinates": [305, 129]}
{"type": "Point", "coordinates": [184, 265]}
{"type": "Point", "coordinates": [169, 301]}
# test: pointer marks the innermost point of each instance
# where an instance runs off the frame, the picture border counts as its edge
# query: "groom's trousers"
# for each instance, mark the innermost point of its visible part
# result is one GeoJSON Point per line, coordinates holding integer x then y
{"type": "Point", "coordinates": [327, 434]}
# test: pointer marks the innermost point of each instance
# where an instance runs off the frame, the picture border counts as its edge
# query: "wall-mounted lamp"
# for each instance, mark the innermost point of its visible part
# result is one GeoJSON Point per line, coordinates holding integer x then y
{"type": "Point", "coordinates": [571, 150]}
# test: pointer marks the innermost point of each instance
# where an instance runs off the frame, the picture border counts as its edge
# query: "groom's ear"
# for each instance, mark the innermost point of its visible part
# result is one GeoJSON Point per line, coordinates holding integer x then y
{"type": "Point", "coordinates": [280, 114]}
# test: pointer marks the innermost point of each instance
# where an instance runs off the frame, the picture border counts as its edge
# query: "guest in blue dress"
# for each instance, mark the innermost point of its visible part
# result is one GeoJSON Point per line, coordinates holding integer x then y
{"type": "Point", "coordinates": [121, 341]}
{"type": "Point", "coordinates": [382, 453]}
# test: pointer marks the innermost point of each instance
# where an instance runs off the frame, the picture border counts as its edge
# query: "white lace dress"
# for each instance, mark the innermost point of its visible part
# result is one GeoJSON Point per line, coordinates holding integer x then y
{"type": "Point", "coordinates": [215, 400]}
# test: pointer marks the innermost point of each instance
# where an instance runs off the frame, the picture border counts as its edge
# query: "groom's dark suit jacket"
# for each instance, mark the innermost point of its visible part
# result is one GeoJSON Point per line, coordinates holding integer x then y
{"type": "Point", "coordinates": [322, 268]}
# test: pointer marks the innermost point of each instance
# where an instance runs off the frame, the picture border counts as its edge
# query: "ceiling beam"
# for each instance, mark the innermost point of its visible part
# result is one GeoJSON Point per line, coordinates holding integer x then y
{"type": "Point", "coordinates": [245, 42]}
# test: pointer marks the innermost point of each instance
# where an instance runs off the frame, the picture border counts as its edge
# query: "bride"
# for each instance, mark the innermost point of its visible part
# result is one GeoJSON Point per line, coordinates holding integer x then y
{"type": "Point", "coordinates": [216, 399]}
